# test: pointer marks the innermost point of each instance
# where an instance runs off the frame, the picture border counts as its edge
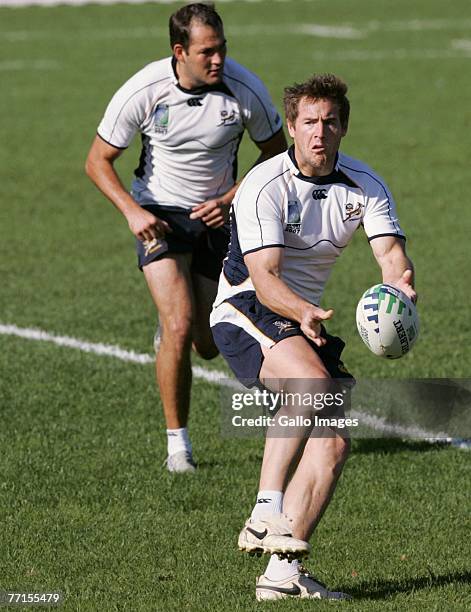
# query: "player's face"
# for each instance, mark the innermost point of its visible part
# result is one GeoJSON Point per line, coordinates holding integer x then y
{"type": "Point", "coordinates": [317, 133]}
{"type": "Point", "coordinates": [203, 62]}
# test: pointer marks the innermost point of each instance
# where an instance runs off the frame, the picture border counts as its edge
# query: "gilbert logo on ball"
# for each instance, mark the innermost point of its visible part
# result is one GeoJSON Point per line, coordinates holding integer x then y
{"type": "Point", "coordinates": [387, 321]}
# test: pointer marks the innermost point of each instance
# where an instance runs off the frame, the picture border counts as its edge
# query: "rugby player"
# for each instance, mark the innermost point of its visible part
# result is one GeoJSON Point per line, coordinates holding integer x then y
{"type": "Point", "coordinates": [191, 110]}
{"type": "Point", "coordinates": [292, 217]}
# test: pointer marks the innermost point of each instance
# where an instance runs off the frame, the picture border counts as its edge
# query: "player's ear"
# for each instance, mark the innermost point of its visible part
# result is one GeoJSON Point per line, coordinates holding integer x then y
{"type": "Point", "coordinates": [344, 130]}
{"type": "Point", "coordinates": [290, 127]}
{"type": "Point", "coordinates": [178, 51]}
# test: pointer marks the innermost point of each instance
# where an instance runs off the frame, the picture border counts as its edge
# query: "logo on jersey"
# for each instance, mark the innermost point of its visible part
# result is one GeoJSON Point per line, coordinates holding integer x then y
{"type": "Point", "coordinates": [319, 194]}
{"type": "Point", "coordinates": [294, 217]}
{"type": "Point", "coordinates": [352, 211]}
{"type": "Point", "coordinates": [151, 246]}
{"type": "Point", "coordinates": [283, 326]}
{"type": "Point", "coordinates": [229, 118]}
{"type": "Point", "coordinates": [194, 102]}
{"type": "Point", "coordinates": [161, 118]}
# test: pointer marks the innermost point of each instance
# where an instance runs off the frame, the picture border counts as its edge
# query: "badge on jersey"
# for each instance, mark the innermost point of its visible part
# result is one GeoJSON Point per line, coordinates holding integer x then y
{"type": "Point", "coordinates": [161, 118]}
{"type": "Point", "coordinates": [353, 212]}
{"type": "Point", "coordinates": [229, 118]}
{"type": "Point", "coordinates": [294, 217]}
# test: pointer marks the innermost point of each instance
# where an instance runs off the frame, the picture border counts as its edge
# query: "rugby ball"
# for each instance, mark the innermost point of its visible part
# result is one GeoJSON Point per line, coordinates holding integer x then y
{"type": "Point", "coordinates": [387, 321]}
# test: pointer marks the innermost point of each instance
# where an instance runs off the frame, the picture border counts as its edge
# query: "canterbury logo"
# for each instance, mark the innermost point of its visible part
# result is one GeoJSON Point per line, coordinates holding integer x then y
{"type": "Point", "coordinates": [194, 102]}
{"type": "Point", "coordinates": [319, 194]}
{"type": "Point", "coordinates": [263, 500]}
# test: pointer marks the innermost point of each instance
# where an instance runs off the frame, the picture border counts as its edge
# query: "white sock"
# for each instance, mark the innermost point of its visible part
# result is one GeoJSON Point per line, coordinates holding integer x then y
{"type": "Point", "coordinates": [268, 502]}
{"type": "Point", "coordinates": [178, 440]}
{"type": "Point", "coordinates": [281, 570]}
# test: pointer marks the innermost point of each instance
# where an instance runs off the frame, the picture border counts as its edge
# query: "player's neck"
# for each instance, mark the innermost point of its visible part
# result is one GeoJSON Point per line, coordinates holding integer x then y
{"type": "Point", "coordinates": [184, 79]}
{"type": "Point", "coordinates": [313, 171]}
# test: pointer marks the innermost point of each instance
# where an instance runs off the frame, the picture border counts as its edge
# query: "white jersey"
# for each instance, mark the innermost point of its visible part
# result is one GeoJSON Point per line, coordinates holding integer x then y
{"type": "Point", "coordinates": [190, 138]}
{"type": "Point", "coordinates": [311, 218]}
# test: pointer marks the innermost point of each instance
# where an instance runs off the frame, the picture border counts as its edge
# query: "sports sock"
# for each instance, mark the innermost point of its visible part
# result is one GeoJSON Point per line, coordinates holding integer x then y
{"type": "Point", "coordinates": [268, 502]}
{"type": "Point", "coordinates": [178, 440]}
{"type": "Point", "coordinates": [281, 569]}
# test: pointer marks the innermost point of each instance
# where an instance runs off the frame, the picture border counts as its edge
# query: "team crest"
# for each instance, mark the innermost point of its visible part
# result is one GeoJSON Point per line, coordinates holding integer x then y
{"type": "Point", "coordinates": [283, 326]}
{"type": "Point", "coordinates": [161, 118]}
{"type": "Point", "coordinates": [229, 118]}
{"type": "Point", "coordinates": [294, 217]}
{"type": "Point", "coordinates": [353, 211]}
{"type": "Point", "coordinates": [151, 246]}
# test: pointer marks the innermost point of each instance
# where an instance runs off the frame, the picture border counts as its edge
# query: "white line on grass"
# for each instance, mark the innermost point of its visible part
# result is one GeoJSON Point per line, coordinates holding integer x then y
{"type": "Point", "coordinates": [212, 376]}
{"type": "Point", "coordinates": [381, 424]}
{"type": "Point", "coordinates": [108, 350]}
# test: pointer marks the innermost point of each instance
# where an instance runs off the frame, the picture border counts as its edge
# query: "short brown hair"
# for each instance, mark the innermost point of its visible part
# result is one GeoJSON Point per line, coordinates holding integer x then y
{"type": "Point", "coordinates": [180, 22]}
{"type": "Point", "coordinates": [319, 86]}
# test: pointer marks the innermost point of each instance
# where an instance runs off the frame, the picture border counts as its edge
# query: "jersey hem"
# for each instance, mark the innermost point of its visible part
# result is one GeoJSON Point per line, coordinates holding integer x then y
{"type": "Point", "coordinates": [266, 246]}
{"type": "Point", "coordinates": [110, 143]}
{"type": "Point", "coordinates": [384, 235]}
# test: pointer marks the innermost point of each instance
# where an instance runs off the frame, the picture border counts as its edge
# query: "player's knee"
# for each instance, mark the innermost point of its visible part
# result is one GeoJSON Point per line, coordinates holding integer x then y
{"type": "Point", "coordinates": [177, 331]}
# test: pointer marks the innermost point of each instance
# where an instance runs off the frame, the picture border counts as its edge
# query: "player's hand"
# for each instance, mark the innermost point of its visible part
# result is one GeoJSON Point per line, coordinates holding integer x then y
{"type": "Point", "coordinates": [213, 213]}
{"type": "Point", "coordinates": [405, 285]}
{"type": "Point", "coordinates": [311, 323]}
{"type": "Point", "coordinates": [146, 226]}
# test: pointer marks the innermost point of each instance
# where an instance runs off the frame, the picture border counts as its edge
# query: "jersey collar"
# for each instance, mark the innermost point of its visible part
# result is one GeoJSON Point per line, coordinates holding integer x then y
{"type": "Point", "coordinates": [197, 91]}
{"type": "Point", "coordinates": [336, 176]}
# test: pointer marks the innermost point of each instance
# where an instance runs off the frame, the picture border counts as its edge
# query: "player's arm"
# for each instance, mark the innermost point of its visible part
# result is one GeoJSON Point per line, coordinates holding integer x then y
{"type": "Point", "coordinates": [396, 267]}
{"type": "Point", "coordinates": [215, 212]}
{"type": "Point", "coordinates": [264, 267]}
{"type": "Point", "coordinates": [100, 168]}
{"type": "Point", "coordinates": [271, 147]}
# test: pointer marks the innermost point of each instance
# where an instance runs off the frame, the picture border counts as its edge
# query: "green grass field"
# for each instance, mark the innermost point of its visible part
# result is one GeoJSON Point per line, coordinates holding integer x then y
{"type": "Point", "coordinates": [86, 507]}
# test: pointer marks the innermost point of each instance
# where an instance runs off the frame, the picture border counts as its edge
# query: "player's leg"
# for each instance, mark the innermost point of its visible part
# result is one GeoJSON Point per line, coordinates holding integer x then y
{"type": "Point", "coordinates": [315, 465]}
{"type": "Point", "coordinates": [204, 292]}
{"type": "Point", "coordinates": [169, 282]}
{"type": "Point", "coordinates": [313, 483]}
{"type": "Point", "coordinates": [208, 255]}
{"type": "Point", "coordinates": [290, 359]}
{"type": "Point", "coordinates": [312, 467]}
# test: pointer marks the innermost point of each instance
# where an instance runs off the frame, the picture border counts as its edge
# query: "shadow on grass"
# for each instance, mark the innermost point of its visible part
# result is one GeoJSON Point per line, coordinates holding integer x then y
{"type": "Point", "coordinates": [380, 589]}
{"type": "Point", "coordinates": [393, 445]}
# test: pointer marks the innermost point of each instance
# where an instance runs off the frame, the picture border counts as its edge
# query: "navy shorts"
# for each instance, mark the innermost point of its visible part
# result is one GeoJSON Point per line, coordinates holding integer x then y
{"type": "Point", "coordinates": [207, 245]}
{"type": "Point", "coordinates": [243, 352]}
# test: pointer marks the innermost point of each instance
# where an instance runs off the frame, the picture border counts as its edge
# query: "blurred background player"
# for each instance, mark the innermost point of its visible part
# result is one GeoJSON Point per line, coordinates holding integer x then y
{"type": "Point", "coordinates": [191, 110]}
{"type": "Point", "coordinates": [292, 217]}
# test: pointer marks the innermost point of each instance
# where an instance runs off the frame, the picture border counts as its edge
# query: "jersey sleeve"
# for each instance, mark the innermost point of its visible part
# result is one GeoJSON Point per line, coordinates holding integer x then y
{"type": "Point", "coordinates": [124, 114]}
{"type": "Point", "coordinates": [261, 118]}
{"type": "Point", "coordinates": [380, 217]}
{"type": "Point", "coordinates": [258, 217]}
